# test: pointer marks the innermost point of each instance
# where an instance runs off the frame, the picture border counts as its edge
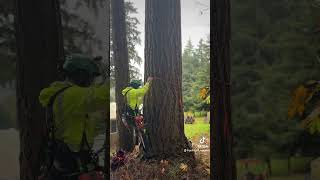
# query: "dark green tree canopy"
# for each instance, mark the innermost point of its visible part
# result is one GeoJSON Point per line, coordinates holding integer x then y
{"type": "Point", "coordinates": [195, 74]}
{"type": "Point", "coordinates": [273, 50]}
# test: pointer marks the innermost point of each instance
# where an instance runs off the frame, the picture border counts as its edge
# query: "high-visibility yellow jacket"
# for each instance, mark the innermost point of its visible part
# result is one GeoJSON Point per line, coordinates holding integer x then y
{"type": "Point", "coordinates": [134, 97]}
{"type": "Point", "coordinates": [74, 110]}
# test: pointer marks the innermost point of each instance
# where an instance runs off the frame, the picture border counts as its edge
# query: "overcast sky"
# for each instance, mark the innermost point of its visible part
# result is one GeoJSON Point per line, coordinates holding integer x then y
{"type": "Point", "coordinates": [195, 25]}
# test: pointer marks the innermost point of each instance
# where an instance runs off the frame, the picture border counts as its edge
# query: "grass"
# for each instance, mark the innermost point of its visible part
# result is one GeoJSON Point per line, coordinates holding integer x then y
{"type": "Point", "coordinates": [196, 129]}
{"type": "Point", "coordinates": [279, 167]}
{"type": "Point", "coordinates": [292, 177]}
{"type": "Point", "coordinates": [299, 164]}
{"type": "Point", "coordinates": [196, 114]}
{"type": "Point", "coordinates": [254, 168]}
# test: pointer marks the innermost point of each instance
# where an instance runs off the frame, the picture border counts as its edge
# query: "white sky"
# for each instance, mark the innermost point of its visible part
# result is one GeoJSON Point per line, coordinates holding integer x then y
{"type": "Point", "coordinates": [194, 24]}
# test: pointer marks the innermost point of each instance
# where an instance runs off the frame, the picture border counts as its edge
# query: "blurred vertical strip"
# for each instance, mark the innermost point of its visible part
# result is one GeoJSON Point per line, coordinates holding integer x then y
{"type": "Point", "coordinates": [107, 138]}
{"type": "Point", "coordinates": [38, 34]}
{"type": "Point", "coordinates": [222, 158]}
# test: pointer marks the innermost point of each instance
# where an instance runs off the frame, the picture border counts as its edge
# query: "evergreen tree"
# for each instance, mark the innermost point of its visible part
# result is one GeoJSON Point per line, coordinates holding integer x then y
{"type": "Point", "coordinates": [133, 39]}
{"type": "Point", "coordinates": [7, 43]}
{"type": "Point", "coordinates": [121, 61]}
{"type": "Point", "coordinates": [273, 50]}
{"type": "Point", "coordinates": [188, 75]}
{"type": "Point", "coordinates": [195, 75]}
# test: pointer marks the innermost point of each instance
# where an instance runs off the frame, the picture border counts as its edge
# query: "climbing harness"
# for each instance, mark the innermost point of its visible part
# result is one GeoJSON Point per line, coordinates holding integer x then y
{"type": "Point", "coordinates": [135, 119]}
{"type": "Point", "coordinates": [59, 161]}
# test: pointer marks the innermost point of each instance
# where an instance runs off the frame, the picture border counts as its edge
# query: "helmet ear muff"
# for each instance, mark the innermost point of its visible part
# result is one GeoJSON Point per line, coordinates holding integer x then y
{"type": "Point", "coordinates": [135, 83]}
{"type": "Point", "coordinates": [135, 86]}
{"type": "Point", "coordinates": [80, 77]}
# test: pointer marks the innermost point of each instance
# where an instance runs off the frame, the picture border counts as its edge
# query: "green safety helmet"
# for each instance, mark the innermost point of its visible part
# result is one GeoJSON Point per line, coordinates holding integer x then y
{"type": "Point", "coordinates": [135, 83]}
{"type": "Point", "coordinates": [78, 62]}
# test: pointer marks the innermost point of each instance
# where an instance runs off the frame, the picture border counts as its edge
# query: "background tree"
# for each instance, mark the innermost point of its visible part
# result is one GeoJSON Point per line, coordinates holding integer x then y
{"type": "Point", "coordinates": [195, 75]}
{"type": "Point", "coordinates": [107, 126]}
{"type": "Point", "coordinates": [133, 39]}
{"type": "Point", "coordinates": [120, 56]}
{"type": "Point", "coordinates": [78, 31]}
{"type": "Point", "coordinates": [274, 61]}
{"type": "Point", "coordinates": [163, 109]}
{"type": "Point", "coordinates": [39, 47]}
{"type": "Point", "coordinates": [7, 43]}
{"type": "Point", "coordinates": [189, 64]}
{"type": "Point", "coordinates": [8, 65]}
{"type": "Point", "coordinates": [78, 34]}
{"type": "Point", "coordinates": [222, 153]}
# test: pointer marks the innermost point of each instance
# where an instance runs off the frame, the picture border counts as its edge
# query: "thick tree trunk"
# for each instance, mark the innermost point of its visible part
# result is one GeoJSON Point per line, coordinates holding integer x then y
{"type": "Point", "coordinates": [39, 46]}
{"type": "Point", "coordinates": [121, 61]}
{"type": "Point", "coordinates": [163, 110]}
{"type": "Point", "coordinates": [107, 152]}
{"type": "Point", "coordinates": [222, 154]}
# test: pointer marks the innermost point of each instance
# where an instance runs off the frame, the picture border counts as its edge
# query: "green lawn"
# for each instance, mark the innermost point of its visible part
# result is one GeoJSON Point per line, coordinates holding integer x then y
{"type": "Point", "coordinates": [279, 169]}
{"type": "Point", "coordinates": [292, 177]}
{"type": "Point", "coordinates": [198, 128]}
